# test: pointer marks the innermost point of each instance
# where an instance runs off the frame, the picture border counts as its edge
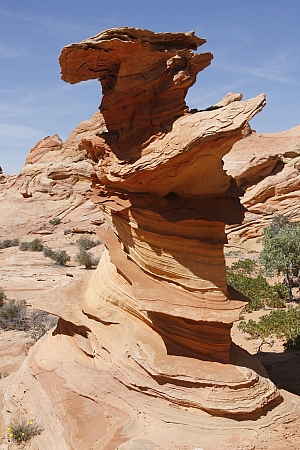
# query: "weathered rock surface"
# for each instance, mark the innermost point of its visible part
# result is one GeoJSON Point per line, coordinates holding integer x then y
{"type": "Point", "coordinates": [144, 77]}
{"type": "Point", "coordinates": [54, 182]}
{"type": "Point", "coordinates": [267, 167]}
{"type": "Point", "coordinates": [142, 355]}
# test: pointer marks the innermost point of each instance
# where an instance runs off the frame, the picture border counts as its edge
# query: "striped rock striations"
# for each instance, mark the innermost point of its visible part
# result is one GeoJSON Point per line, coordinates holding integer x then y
{"type": "Point", "coordinates": [162, 188]}
{"type": "Point", "coordinates": [54, 182]}
{"type": "Point", "coordinates": [142, 355]}
{"type": "Point", "coordinates": [267, 167]}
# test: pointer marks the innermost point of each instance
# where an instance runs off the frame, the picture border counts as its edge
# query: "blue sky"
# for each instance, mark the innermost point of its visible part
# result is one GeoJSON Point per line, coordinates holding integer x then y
{"type": "Point", "coordinates": [255, 45]}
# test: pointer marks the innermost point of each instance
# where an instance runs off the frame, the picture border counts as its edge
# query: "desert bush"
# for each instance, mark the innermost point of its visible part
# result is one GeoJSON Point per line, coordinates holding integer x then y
{"type": "Point", "coordinates": [86, 259]}
{"type": "Point", "coordinates": [2, 296]}
{"type": "Point", "coordinates": [260, 292]}
{"type": "Point", "coordinates": [282, 324]}
{"type": "Point", "coordinates": [86, 243]}
{"type": "Point", "coordinates": [40, 322]}
{"type": "Point", "coordinates": [60, 257]}
{"type": "Point", "coordinates": [67, 231]}
{"type": "Point", "coordinates": [9, 243]}
{"type": "Point", "coordinates": [23, 431]}
{"type": "Point", "coordinates": [13, 315]}
{"type": "Point", "coordinates": [55, 221]}
{"type": "Point", "coordinates": [47, 252]}
{"type": "Point", "coordinates": [32, 246]}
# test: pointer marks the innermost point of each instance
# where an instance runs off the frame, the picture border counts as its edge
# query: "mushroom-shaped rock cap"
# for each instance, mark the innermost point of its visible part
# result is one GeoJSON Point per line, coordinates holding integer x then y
{"type": "Point", "coordinates": [144, 76]}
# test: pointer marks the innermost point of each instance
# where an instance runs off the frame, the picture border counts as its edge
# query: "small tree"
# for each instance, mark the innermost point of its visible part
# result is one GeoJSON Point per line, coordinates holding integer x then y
{"type": "Point", "coordinates": [281, 250]}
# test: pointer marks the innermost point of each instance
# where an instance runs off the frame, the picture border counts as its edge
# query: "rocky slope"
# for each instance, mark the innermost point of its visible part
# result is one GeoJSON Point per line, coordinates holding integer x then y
{"type": "Point", "coordinates": [267, 167]}
{"type": "Point", "coordinates": [142, 356]}
{"type": "Point", "coordinates": [54, 182]}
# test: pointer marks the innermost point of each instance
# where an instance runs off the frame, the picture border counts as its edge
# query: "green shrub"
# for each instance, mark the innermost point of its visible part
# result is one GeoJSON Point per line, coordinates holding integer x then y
{"type": "Point", "coordinates": [86, 259]}
{"type": "Point", "coordinates": [244, 266]}
{"type": "Point", "coordinates": [33, 246]}
{"type": "Point", "coordinates": [282, 324]}
{"type": "Point", "coordinates": [67, 231]}
{"type": "Point", "coordinates": [60, 257]}
{"type": "Point", "coordinates": [9, 243]}
{"type": "Point", "coordinates": [55, 221]}
{"type": "Point", "coordinates": [260, 292]}
{"type": "Point", "coordinates": [23, 431]}
{"type": "Point", "coordinates": [86, 243]}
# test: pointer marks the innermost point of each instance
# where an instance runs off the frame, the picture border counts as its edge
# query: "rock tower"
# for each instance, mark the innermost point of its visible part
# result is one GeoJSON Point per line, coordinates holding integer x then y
{"type": "Point", "coordinates": [142, 356]}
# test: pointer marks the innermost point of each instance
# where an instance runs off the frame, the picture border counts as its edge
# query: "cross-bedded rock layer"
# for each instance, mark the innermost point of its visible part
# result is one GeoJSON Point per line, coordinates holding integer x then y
{"type": "Point", "coordinates": [144, 77]}
{"type": "Point", "coordinates": [267, 167]}
{"type": "Point", "coordinates": [142, 356]}
{"type": "Point", "coordinates": [167, 198]}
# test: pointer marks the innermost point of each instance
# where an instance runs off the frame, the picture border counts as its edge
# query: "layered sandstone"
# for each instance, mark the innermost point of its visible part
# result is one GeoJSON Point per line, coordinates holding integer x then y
{"type": "Point", "coordinates": [142, 355]}
{"type": "Point", "coordinates": [54, 182]}
{"type": "Point", "coordinates": [267, 167]}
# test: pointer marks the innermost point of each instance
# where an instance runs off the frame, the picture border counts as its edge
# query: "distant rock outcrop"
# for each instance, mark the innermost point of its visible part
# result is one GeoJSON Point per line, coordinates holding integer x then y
{"type": "Point", "coordinates": [267, 167]}
{"type": "Point", "coordinates": [54, 182]}
{"type": "Point", "coordinates": [142, 356]}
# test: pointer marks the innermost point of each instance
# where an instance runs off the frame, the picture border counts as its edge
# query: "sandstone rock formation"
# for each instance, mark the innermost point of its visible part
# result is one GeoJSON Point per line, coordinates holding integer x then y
{"type": "Point", "coordinates": [54, 182]}
{"type": "Point", "coordinates": [267, 167]}
{"type": "Point", "coordinates": [142, 356]}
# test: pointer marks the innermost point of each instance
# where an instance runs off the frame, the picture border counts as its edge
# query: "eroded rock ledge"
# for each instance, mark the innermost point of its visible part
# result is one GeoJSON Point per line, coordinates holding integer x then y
{"type": "Point", "coordinates": [143, 348]}
{"type": "Point", "coordinates": [144, 77]}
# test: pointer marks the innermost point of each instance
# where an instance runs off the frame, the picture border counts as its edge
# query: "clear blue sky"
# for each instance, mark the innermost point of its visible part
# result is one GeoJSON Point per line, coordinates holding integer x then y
{"type": "Point", "coordinates": [256, 47]}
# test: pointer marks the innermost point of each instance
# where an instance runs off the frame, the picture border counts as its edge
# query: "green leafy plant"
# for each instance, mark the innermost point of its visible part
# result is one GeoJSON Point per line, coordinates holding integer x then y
{"type": "Point", "coordinates": [23, 431]}
{"type": "Point", "coordinates": [86, 259]}
{"type": "Point", "coordinates": [9, 243]}
{"type": "Point", "coordinates": [55, 221]}
{"type": "Point", "coordinates": [33, 246]}
{"type": "Point", "coordinates": [60, 257]}
{"type": "Point", "coordinates": [257, 288]}
{"type": "Point", "coordinates": [282, 324]}
{"type": "Point", "coordinates": [281, 250]}
{"type": "Point", "coordinates": [245, 266]}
